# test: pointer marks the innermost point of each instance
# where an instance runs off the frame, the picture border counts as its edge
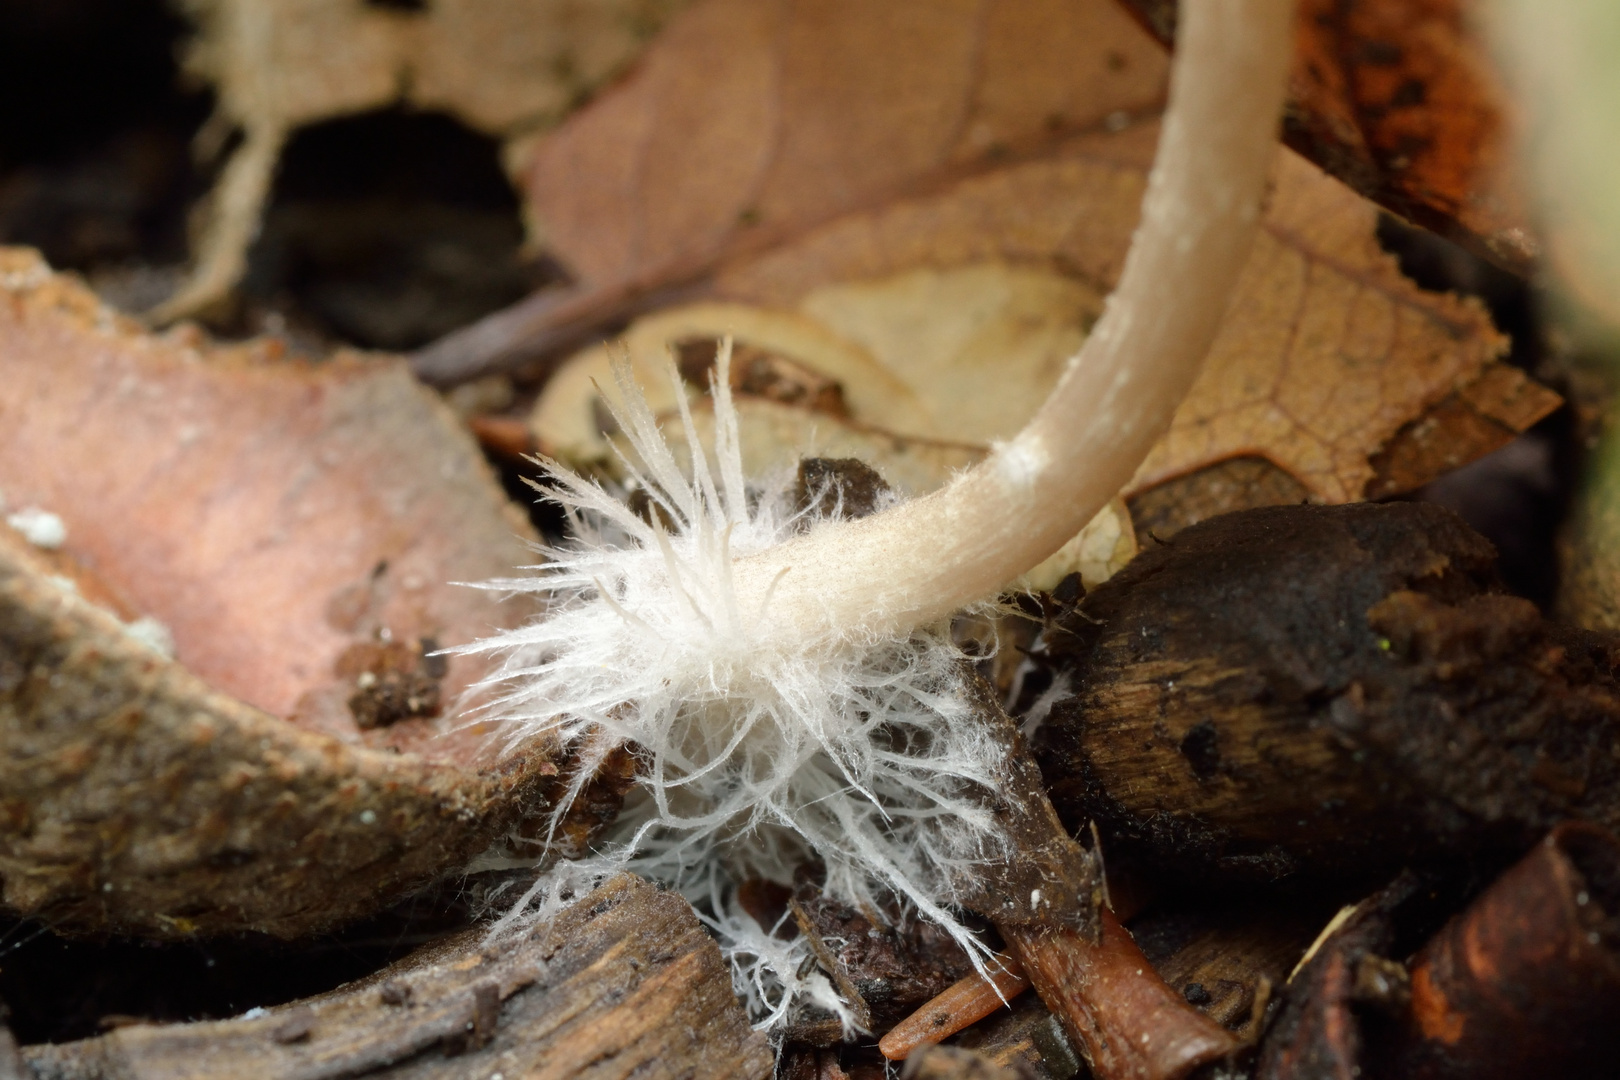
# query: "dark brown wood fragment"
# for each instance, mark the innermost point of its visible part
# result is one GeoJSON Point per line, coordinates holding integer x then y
{"type": "Point", "coordinates": [1129, 1022]}
{"type": "Point", "coordinates": [1046, 900]}
{"type": "Point", "coordinates": [1526, 981]}
{"type": "Point", "coordinates": [1026, 1036]}
{"type": "Point", "coordinates": [623, 983]}
{"type": "Point", "coordinates": [1051, 882]}
{"type": "Point", "coordinates": [1318, 1032]}
{"type": "Point", "coordinates": [1329, 691]}
{"type": "Point", "coordinates": [885, 971]}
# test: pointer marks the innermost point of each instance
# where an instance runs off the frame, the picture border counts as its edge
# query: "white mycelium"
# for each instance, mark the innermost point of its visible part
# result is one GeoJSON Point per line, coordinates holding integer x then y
{"type": "Point", "coordinates": [758, 749]}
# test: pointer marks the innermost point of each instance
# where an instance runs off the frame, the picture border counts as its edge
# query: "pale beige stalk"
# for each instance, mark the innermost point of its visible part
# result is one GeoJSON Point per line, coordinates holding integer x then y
{"type": "Point", "coordinates": [925, 559]}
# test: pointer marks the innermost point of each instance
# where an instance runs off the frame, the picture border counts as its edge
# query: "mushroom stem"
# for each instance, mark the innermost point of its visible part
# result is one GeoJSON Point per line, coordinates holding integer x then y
{"type": "Point", "coordinates": [922, 560]}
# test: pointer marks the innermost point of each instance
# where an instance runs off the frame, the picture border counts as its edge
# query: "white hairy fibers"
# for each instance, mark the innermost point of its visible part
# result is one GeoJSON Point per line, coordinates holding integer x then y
{"type": "Point", "coordinates": [758, 749]}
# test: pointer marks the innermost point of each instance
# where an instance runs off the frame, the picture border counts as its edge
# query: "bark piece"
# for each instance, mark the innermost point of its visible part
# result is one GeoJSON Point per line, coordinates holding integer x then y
{"type": "Point", "coordinates": [1318, 1032]}
{"type": "Point", "coordinates": [885, 972]}
{"type": "Point", "coordinates": [1046, 900]}
{"type": "Point", "coordinates": [1052, 883]}
{"type": "Point", "coordinates": [1228, 960]}
{"type": "Point", "coordinates": [957, 1063]}
{"type": "Point", "coordinates": [623, 983]}
{"type": "Point", "coordinates": [1131, 1024]}
{"type": "Point", "coordinates": [134, 798]}
{"type": "Point", "coordinates": [1527, 979]}
{"type": "Point", "coordinates": [1328, 691]}
{"type": "Point", "coordinates": [1026, 1035]}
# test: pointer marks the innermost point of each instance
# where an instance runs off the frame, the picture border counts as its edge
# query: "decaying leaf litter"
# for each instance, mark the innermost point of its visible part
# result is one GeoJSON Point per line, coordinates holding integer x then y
{"type": "Point", "coordinates": [982, 297]}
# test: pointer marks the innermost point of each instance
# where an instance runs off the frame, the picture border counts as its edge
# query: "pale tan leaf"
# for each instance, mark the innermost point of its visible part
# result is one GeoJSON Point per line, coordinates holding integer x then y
{"type": "Point", "coordinates": [1327, 351]}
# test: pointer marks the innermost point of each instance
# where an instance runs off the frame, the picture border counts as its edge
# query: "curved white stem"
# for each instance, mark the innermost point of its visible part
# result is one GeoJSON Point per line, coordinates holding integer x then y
{"type": "Point", "coordinates": [924, 559]}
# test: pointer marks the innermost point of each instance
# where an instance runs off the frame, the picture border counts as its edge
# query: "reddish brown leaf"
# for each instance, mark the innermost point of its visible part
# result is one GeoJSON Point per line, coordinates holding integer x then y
{"type": "Point", "coordinates": [1401, 101]}
{"type": "Point", "coordinates": [294, 527]}
{"type": "Point", "coordinates": [747, 121]}
{"type": "Point", "coordinates": [274, 515]}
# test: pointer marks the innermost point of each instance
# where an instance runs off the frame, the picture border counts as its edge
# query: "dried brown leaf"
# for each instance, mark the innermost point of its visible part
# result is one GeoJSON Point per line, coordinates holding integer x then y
{"type": "Point", "coordinates": [1327, 354]}
{"type": "Point", "coordinates": [748, 121]}
{"type": "Point", "coordinates": [1327, 350]}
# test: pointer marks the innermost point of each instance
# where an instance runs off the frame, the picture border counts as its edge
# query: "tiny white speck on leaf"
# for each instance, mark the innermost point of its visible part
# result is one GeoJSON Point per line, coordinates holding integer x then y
{"type": "Point", "coordinates": [39, 527]}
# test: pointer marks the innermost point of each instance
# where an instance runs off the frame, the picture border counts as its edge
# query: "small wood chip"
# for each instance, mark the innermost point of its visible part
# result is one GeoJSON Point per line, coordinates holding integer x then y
{"type": "Point", "coordinates": [624, 982]}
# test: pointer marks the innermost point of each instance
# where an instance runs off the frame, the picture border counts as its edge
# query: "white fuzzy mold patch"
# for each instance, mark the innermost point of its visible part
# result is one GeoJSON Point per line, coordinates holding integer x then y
{"type": "Point", "coordinates": [757, 752]}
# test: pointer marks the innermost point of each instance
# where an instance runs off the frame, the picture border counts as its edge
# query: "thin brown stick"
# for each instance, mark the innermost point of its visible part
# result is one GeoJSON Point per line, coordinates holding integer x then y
{"type": "Point", "coordinates": [1131, 1024]}
{"type": "Point", "coordinates": [962, 1004]}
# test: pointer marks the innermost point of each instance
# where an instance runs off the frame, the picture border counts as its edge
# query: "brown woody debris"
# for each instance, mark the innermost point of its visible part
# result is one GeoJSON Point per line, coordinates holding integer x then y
{"type": "Point", "coordinates": [1327, 691]}
{"type": "Point", "coordinates": [1228, 959]}
{"type": "Point", "coordinates": [1318, 1032]}
{"type": "Point", "coordinates": [1129, 1022]}
{"type": "Point", "coordinates": [133, 797]}
{"type": "Point", "coordinates": [885, 972]}
{"type": "Point", "coordinates": [1025, 1036]}
{"type": "Point", "coordinates": [1527, 979]}
{"type": "Point", "coordinates": [957, 1063]}
{"type": "Point", "coordinates": [1047, 903]}
{"type": "Point", "coordinates": [625, 982]}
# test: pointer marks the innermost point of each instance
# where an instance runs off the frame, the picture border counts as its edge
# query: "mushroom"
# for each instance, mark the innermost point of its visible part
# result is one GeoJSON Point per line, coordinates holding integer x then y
{"type": "Point", "coordinates": [785, 676]}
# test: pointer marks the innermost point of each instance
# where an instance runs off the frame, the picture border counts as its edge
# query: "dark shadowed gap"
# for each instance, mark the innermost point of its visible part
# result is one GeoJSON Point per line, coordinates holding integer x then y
{"type": "Point", "coordinates": [390, 229]}
{"type": "Point", "coordinates": [95, 127]}
{"type": "Point", "coordinates": [58, 989]}
{"type": "Point", "coordinates": [1517, 497]}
